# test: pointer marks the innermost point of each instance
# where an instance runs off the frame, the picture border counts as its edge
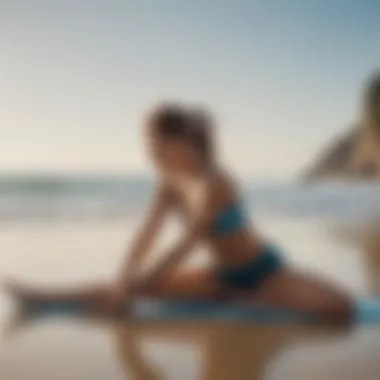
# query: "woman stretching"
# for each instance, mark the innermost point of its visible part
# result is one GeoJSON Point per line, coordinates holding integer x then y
{"type": "Point", "coordinates": [191, 181]}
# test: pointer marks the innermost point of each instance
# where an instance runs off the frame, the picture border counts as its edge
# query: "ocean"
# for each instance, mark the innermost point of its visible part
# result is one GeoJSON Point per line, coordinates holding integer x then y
{"type": "Point", "coordinates": [102, 198]}
{"type": "Point", "coordinates": [71, 230]}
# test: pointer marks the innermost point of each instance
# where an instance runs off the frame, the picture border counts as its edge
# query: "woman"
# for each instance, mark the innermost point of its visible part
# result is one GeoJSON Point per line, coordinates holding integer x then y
{"type": "Point", "coordinates": [193, 182]}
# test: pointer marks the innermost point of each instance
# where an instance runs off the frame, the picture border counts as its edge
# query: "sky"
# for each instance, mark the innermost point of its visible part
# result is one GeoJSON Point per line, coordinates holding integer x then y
{"type": "Point", "coordinates": [281, 77]}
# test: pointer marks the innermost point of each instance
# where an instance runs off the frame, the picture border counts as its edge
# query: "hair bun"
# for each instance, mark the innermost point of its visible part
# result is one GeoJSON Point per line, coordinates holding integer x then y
{"type": "Point", "coordinates": [201, 120]}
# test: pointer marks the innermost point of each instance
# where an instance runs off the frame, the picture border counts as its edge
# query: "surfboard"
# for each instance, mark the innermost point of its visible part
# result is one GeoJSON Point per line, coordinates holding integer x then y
{"type": "Point", "coordinates": [366, 311]}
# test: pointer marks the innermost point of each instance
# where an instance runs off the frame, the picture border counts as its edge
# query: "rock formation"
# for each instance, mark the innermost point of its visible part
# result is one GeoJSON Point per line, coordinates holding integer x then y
{"type": "Point", "coordinates": [356, 154]}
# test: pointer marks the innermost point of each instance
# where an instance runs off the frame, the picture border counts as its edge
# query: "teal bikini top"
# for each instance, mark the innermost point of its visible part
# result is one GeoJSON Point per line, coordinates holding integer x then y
{"type": "Point", "coordinates": [229, 219]}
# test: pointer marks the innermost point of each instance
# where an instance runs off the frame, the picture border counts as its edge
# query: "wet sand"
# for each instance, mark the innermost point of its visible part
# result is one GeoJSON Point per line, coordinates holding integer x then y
{"type": "Point", "coordinates": [65, 348]}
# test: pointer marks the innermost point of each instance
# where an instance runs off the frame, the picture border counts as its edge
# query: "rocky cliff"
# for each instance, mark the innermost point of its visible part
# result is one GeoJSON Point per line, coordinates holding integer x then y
{"type": "Point", "coordinates": [356, 154]}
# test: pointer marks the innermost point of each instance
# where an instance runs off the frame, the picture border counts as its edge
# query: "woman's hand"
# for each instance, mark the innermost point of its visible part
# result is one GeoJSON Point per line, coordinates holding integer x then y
{"type": "Point", "coordinates": [119, 299]}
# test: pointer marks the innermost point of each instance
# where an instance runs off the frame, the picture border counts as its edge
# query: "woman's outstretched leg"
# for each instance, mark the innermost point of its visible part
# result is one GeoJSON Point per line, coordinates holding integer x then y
{"type": "Point", "coordinates": [197, 283]}
{"type": "Point", "coordinates": [93, 297]}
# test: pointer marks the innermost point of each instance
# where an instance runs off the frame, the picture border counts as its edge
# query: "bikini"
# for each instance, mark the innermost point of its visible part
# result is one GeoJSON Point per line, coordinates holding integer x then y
{"type": "Point", "coordinates": [250, 275]}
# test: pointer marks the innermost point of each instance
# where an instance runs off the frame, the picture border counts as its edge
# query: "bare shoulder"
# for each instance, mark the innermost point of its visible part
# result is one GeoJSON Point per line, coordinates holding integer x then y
{"type": "Point", "coordinates": [223, 187]}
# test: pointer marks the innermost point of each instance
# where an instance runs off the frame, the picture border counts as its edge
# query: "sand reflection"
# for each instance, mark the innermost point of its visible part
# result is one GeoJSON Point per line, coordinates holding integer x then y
{"type": "Point", "coordinates": [225, 350]}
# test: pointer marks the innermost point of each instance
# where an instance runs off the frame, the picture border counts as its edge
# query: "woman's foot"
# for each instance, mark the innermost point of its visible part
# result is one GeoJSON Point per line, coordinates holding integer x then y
{"type": "Point", "coordinates": [24, 298]}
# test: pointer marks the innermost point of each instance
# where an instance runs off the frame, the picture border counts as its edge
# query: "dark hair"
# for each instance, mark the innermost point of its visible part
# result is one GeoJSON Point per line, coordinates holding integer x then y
{"type": "Point", "coordinates": [178, 122]}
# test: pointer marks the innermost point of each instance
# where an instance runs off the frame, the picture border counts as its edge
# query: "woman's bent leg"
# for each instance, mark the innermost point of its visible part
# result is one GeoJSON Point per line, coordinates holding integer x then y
{"type": "Point", "coordinates": [299, 291]}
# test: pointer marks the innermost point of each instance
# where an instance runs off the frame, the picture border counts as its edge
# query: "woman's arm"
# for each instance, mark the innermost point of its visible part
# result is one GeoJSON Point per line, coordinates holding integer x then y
{"type": "Point", "coordinates": [145, 236]}
{"type": "Point", "coordinates": [198, 229]}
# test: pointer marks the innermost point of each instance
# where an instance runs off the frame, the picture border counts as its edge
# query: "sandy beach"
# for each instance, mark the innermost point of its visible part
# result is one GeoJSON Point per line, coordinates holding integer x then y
{"type": "Point", "coordinates": [63, 348]}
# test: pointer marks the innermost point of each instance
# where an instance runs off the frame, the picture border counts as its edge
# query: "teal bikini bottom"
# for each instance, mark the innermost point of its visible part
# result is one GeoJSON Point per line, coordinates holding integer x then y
{"type": "Point", "coordinates": [250, 275]}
